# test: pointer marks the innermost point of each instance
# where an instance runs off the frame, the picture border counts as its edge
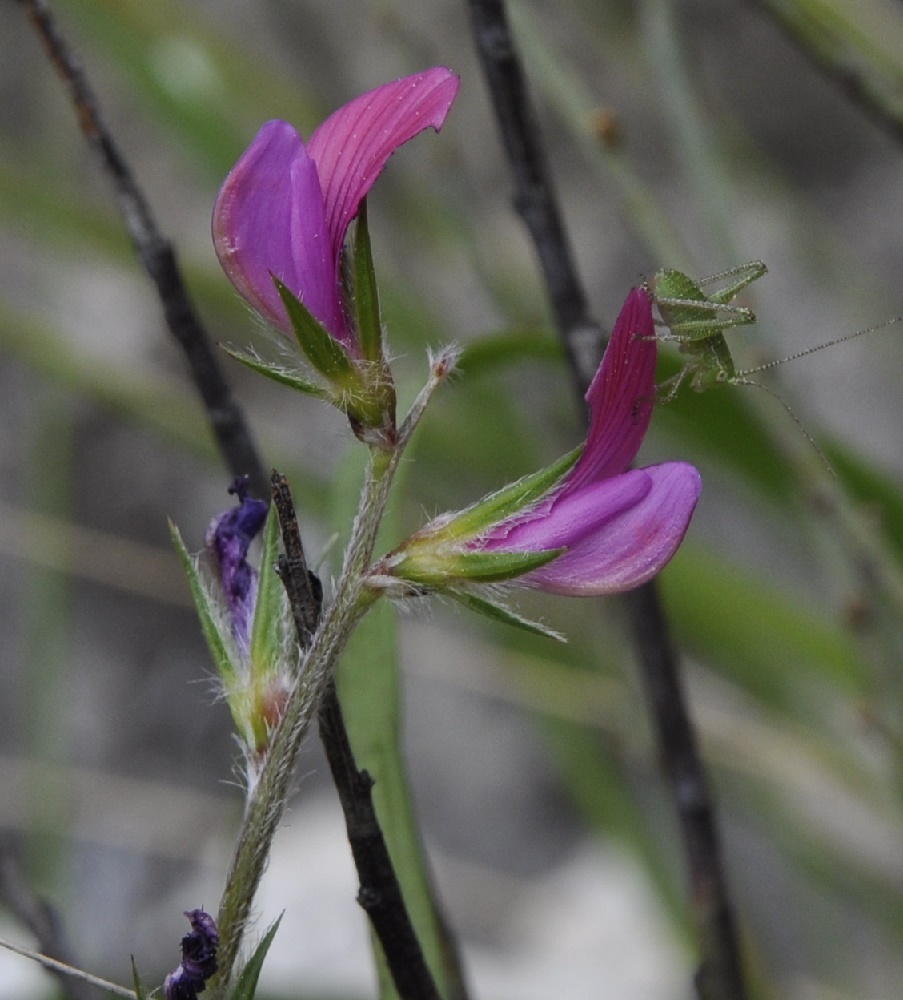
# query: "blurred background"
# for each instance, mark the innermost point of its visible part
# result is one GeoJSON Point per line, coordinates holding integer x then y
{"type": "Point", "coordinates": [692, 135]}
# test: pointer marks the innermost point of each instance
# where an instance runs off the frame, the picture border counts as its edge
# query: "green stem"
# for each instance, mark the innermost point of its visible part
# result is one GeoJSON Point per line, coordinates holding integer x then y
{"type": "Point", "coordinates": [269, 796]}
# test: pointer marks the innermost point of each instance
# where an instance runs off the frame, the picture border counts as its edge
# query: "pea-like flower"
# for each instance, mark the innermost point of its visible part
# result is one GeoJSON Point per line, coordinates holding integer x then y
{"type": "Point", "coordinates": [589, 525]}
{"type": "Point", "coordinates": [286, 206]}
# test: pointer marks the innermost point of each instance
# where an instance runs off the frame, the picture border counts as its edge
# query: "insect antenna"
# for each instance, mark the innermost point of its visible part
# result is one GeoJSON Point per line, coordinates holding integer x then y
{"type": "Point", "coordinates": [748, 381]}
{"type": "Point", "coordinates": [819, 347]}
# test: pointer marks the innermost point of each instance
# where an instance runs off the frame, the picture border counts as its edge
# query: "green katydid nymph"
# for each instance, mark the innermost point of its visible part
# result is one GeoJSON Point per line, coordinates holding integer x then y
{"type": "Point", "coordinates": [696, 320]}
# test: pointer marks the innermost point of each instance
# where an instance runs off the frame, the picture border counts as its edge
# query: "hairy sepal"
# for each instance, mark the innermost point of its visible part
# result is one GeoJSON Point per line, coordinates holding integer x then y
{"type": "Point", "coordinates": [501, 613]}
{"type": "Point", "coordinates": [213, 623]}
{"type": "Point", "coordinates": [326, 355]}
{"type": "Point", "coordinates": [267, 627]}
{"type": "Point", "coordinates": [366, 293]}
{"type": "Point", "coordinates": [439, 568]}
{"type": "Point", "coordinates": [279, 373]}
{"type": "Point", "coordinates": [507, 502]}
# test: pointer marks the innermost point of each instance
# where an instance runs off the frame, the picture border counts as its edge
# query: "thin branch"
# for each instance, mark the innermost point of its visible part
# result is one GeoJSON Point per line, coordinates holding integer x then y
{"type": "Point", "coordinates": [534, 198]}
{"type": "Point", "coordinates": [720, 973]}
{"type": "Point", "coordinates": [719, 976]}
{"type": "Point", "coordinates": [379, 893]}
{"type": "Point", "coordinates": [158, 258]}
{"type": "Point", "coordinates": [42, 920]}
{"type": "Point", "coordinates": [69, 973]}
{"type": "Point", "coordinates": [305, 592]}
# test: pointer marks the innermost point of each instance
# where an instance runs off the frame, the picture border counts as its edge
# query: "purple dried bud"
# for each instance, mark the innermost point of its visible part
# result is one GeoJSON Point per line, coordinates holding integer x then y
{"type": "Point", "coordinates": [228, 540]}
{"type": "Point", "coordinates": [198, 958]}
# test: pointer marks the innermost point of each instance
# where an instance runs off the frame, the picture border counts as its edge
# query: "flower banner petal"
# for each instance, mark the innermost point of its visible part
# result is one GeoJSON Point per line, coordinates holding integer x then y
{"type": "Point", "coordinates": [352, 146]}
{"type": "Point", "coordinates": [621, 396]}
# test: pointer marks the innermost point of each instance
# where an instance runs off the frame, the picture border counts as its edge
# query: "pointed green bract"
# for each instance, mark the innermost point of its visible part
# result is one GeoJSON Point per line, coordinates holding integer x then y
{"type": "Point", "coordinates": [215, 630]}
{"type": "Point", "coordinates": [325, 354]}
{"type": "Point", "coordinates": [246, 987]}
{"type": "Point", "coordinates": [279, 373]}
{"type": "Point", "coordinates": [366, 293]}
{"type": "Point", "coordinates": [500, 613]}
{"type": "Point", "coordinates": [440, 567]}
{"type": "Point", "coordinates": [140, 989]}
{"type": "Point", "coordinates": [508, 501]}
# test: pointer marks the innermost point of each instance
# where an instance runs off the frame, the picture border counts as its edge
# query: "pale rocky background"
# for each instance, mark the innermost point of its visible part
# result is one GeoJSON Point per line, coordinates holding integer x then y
{"type": "Point", "coordinates": [543, 910]}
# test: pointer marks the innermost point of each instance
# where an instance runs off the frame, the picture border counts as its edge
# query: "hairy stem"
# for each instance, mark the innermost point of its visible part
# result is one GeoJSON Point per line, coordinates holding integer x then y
{"type": "Point", "coordinates": [270, 795]}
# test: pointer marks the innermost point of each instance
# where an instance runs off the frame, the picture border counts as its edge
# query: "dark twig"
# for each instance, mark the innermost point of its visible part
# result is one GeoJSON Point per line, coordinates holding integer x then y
{"type": "Point", "coordinates": [158, 257]}
{"type": "Point", "coordinates": [40, 918]}
{"type": "Point", "coordinates": [719, 976]}
{"type": "Point", "coordinates": [380, 893]}
{"type": "Point", "coordinates": [534, 198]}
{"type": "Point", "coordinates": [720, 973]}
{"type": "Point", "coordinates": [305, 592]}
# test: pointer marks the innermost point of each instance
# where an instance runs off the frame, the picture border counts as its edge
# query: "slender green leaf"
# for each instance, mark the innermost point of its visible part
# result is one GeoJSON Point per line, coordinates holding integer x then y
{"type": "Point", "coordinates": [246, 987]}
{"type": "Point", "coordinates": [369, 684]}
{"type": "Point", "coordinates": [499, 350]}
{"type": "Point", "coordinates": [761, 635]}
{"type": "Point", "coordinates": [140, 989]}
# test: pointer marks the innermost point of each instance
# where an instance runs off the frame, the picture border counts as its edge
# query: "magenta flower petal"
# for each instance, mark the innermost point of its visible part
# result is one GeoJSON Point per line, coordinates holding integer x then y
{"type": "Point", "coordinates": [614, 544]}
{"type": "Point", "coordinates": [268, 220]}
{"type": "Point", "coordinates": [621, 396]}
{"type": "Point", "coordinates": [352, 146]}
{"type": "Point", "coordinates": [619, 527]}
{"type": "Point", "coordinates": [565, 518]}
{"type": "Point", "coordinates": [285, 208]}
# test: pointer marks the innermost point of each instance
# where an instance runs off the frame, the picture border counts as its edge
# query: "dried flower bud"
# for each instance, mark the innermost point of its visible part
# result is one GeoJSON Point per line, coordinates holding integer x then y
{"type": "Point", "coordinates": [198, 958]}
{"type": "Point", "coordinates": [228, 539]}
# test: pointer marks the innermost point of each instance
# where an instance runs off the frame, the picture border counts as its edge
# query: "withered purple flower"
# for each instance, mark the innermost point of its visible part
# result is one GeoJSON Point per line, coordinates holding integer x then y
{"type": "Point", "coordinates": [228, 539]}
{"type": "Point", "coordinates": [198, 958]}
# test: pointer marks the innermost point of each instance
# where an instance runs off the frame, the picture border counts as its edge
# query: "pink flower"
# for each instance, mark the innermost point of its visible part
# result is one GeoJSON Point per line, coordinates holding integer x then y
{"type": "Point", "coordinates": [284, 209]}
{"type": "Point", "coordinates": [619, 526]}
